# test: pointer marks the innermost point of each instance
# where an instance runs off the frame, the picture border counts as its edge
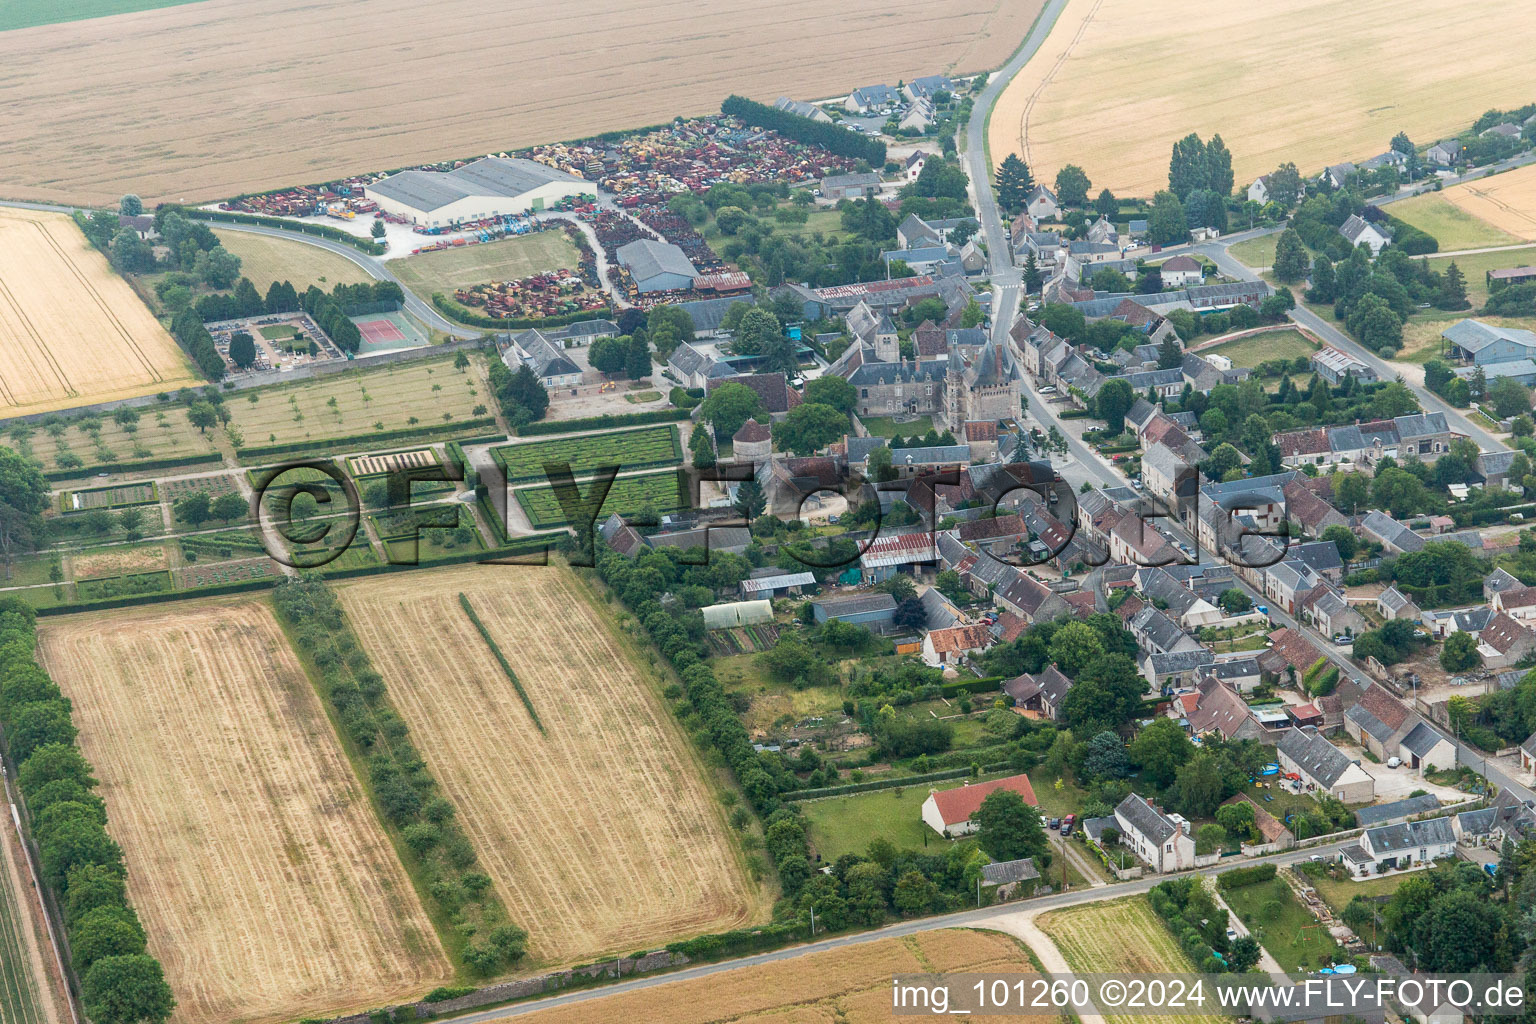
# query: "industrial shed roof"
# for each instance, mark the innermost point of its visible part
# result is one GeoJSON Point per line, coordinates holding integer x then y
{"type": "Point", "coordinates": [647, 258]}
{"type": "Point", "coordinates": [492, 176]}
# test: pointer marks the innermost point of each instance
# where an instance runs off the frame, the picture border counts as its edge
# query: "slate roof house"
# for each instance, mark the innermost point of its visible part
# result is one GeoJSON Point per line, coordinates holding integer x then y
{"type": "Point", "coordinates": [1324, 766]}
{"type": "Point", "coordinates": [1394, 847]}
{"type": "Point", "coordinates": [1161, 840]}
{"type": "Point", "coordinates": [1378, 722]}
{"type": "Point", "coordinates": [1042, 692]}
{"type": "Point", "coordinates": [1358, 231]}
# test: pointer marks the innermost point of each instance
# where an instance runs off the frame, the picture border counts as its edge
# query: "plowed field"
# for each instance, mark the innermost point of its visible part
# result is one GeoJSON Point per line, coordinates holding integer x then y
{"type": "Point", "coordinates": [600, 835]}
{"type": "Point", "coordinates": [265, 883]}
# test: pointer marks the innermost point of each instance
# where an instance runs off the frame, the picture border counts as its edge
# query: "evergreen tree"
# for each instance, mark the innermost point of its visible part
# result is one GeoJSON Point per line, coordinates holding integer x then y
{"type": "Point", "coordinates": [1478, 384]}
{"type": "Point", "coordinates": [1169, 355]}
{"type": "Point", "coordinates": [1032, 278]}
{"type": "Point", "coordinates": [1187, 170]}
{"type": "Point", "coordinates": [1013, 183]}
{"type": "Point", "coordinates": [1323, 284]}
{"type": "Point", "coordinates": [702, 447]}
{"type": "Point", "coordinates": [1106, 205]}
{"type": "Point", "coordinates": [637, 359]}
{"type": "Point", "coordinates": [1453, 288]}
{"type": "Point", "coordinates": [1320, 398]}
{"type": "Point", "coordinates": [1290, 257]}
{"type": "Point", "coordinates": [1218, 167]}
{"type": "Point", "coordinates": [749, 500]}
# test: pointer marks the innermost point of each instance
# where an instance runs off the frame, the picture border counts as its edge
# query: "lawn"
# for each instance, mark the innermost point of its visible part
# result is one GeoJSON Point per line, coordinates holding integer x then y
{"type": "Point", "coordinates": [1256, 252]}
{"type": "Point", "coordinates": [264, 259]}
{"type": "Point", "coordinates": [656, 492]}
{"type": "Point", "coordinates": [279, 331]}
{"type": "Point", "coordinates": [1453, 227]}
{"type": "Point", "coordinates": [1338, 892]}
{"type": "Point", "coordinates": [1250, 351]}
{"type": "Point", "coordinates": [885, 426]}
{"type": "Point", "coordinates": [628, 450]}
{"type": "Point", "coordinates": [1282, 925]}
{"type": "Point", "coordinates": [1476, 266]}
{"type": "Point", "coordinates": [846, 824]}
{"type": "Point", "coordinates": [1056, 803]}
{"type": "Point", "coordinates": [423, 393]}
{"type": "Point", "coordinates": [828, 222]}
{"type": "Point", "coordinates": [510, 259]}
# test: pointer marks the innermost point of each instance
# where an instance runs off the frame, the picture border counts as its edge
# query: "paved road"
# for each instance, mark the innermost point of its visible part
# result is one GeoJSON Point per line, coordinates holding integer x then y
{"type": "Point", "coordinates": [966, 918]}
{"type": "Point", "coordinates": [1422, 186]}
{"type": "Point", "coordinates": [1229, 265]}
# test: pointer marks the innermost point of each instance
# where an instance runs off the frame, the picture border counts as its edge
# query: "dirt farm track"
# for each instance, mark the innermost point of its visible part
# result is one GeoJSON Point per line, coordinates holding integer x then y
{"type": "Point", "coordinates": [599, 835]}
{"type": "Point", "coordinates": [265, 884]}
{"type": "Point", "coordinates": [72, 332]}
{"type": "Point", "coordinates": [211, 99]}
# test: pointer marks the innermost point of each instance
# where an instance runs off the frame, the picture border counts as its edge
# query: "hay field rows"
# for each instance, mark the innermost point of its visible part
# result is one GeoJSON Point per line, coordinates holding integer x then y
{"type": "Point", "coordinates": [27, 994]}
{"type": "Point", "coordinates": [72, 332]}
{"type": "Point", "coordinates": [246, 97]}
{"type": "Point", "coordinates": [851, 985]}
{"type": "Point", "coordinates": [265, 259]}
{"type": "Point", "coordinates": [601, 836]}
{"type": "Point", "coordinates": [1118, 81]}
{"type": "Point", "coordinates": [266, 885]}
{"type": "Point", "coordinates": [511, 259]}
{"type": "Point", "coordinates": [1506, 202]}
{"type": "Point", "coordinates": [1119, 937]}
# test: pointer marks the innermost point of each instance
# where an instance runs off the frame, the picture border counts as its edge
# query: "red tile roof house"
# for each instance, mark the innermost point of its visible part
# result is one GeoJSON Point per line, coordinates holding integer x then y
{"type": "Point", "coordinates": [948, 812]}
{"type": "Point", "coordinates": [945, 647]}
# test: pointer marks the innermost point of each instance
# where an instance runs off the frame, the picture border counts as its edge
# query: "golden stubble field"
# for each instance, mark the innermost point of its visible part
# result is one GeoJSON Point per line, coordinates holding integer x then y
{"type": "Point", "coordinates": [1314, 82]}
{"type": "Point", "coordinates": [1507, 201]}
{"type": "Point", "coordinates": [844, 986]}
{"type": "Point", "coordinates": [265, 883]}
{"type": "Point", "coordinates": [601, 836]}
{"type": "Point", "coordinates": [72, 332]}
{"type": "Point", "coordinates": [243, 97]}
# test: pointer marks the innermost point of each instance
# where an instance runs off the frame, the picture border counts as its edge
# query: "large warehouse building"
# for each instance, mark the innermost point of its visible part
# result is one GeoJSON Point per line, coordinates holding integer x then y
{"type": "Point", "coordinates": [493, 187]}
{"type": "Point", "coordinates": [656, 266]}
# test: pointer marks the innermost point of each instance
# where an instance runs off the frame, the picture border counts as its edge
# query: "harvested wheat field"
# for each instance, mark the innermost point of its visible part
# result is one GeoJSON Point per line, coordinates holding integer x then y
{"type": "Point", "coordinates": [1119, 937]}
{"type": "Point", "coordinates": [1507, 201]}
{"type": "Point", "coordinates": [245, 97]}
{"type": "Point", "coordinates": [265, 883]}
{"type": "Point", "coordinates": [600, 834]}
{"type": "Point", "coordinates": [72, 332]}
{"type": "Point", "coordinates": [851, 985]}
{"type": "Point", "coordinates": [1314, 82]}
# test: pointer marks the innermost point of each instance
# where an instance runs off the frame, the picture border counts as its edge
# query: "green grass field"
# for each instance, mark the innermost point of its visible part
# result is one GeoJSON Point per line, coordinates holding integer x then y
{"type": "Point", "coordinates": [1282, 925]}
{"type": "Point", "coordinates": [846, 824]}
{"type": "Point", "coordinates": [22, 998]}
{"type": "Point", "coordinates": [1338, 892]}
{"type": "Point", "coordinates": [885, 426]}
{"type": "Point", "coordinates": [828, 222]}
{"type": "Point", "coordinates": [510, 259]}
{"type": "Point", "coordinates": [30, 13]}
{"type": "Point", "coordinates": [1257, 348]}
{"type": "Point", "coordinates": [1453, 227]}
{"type": "Point", "coordinates": [1475, 269]}
{"type": "Point", "coordinates": [416, 393]}
{"type": "Point", "coordinates": [630, 449]}
{"type": "Point", "coordinates": [771, 700]}
{"type": "Point", "coordinates": [656, 491]}
{"type": "Point", "coordinates": [265, 259]}
{"type": "Point", "coordinates": [1256, 252]}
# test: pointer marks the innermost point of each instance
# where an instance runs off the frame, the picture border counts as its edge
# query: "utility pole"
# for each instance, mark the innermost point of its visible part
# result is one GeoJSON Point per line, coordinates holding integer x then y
{"type": "Point", "coordinates": [813, 920]}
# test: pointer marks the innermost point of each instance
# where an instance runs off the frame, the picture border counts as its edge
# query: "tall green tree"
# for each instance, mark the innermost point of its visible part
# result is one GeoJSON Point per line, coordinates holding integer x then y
{"type": "Point", "coordinates": [1188, 169]}
{"type": "Point", "coordinates": [750, 501]}
{"type": "Point", "coordinates": [757, 329]}
{"type": "Point", "coordinates": [1113, 401]}
{"type": "Point", "coordinates": [1284, 185]}
{"type": "Point", "coordinates": [729, 406]}
{"type": "Point", "coordinates": [1166, 222]}
{"type": "Point", "coordinates": [1013, 183]}
{"type": "Point", "coordinates": [1291, 261]}
{"type": "Point", "coordinates": [1007, 828]}
{"type": "Point", "coordinates": [1106, 205]}
{"type": "Point", "coordinates": [127, 990]}
{"type": "Point", "coordinates": [1072, 186]}
{"type": "Point", "coordinates": [23, 498]}
{"type": "Point", "coordinates": [1218, 167]}
{"type": "Point", "coordinates": [808, 427]}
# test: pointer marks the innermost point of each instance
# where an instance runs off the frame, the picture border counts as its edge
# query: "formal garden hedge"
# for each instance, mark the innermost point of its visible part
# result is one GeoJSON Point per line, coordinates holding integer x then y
{"type": "Point", "coordinates": [82, 867]}
{"type": "Point", "coordinates": [631, 450]}
{"type": "Point", "coordinates": [373, 439]}
{"type": "Point", "coordinates": [605, 422]}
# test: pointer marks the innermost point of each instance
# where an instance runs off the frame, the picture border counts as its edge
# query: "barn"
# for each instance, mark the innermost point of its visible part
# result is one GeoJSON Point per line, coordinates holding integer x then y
{"type": "Point", "coordinates": [656, 266]}
{"type": "Point", "coordinates": [483, 189]}
{"type": "Point", "coordinates": [948, 812]}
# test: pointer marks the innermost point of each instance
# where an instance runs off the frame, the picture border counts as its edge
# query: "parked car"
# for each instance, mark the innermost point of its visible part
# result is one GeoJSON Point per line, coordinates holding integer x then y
{"type": "Point", "coordinates": [1049, 389]}
{"type": "Point", "coordinates": [1054, 823]}
{"type": "Point", "coordinates": [1394, 762]}
{"type": "Point", "coordinates": [1343, 639]}
{"type": "Point", "coordinates": [1066, 831]}
{"type": "Point", "coordinates": [1067, 823]}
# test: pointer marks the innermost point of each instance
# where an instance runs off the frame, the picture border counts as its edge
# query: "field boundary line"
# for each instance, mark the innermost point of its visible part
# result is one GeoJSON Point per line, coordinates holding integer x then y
{"type": "Point", "coordinates": [1050, 76]}
{"type": "Point", "coordinates": [501, 659]}
{"type": "Point", "coordinates": [31, 332]}
{"type": "Point", "coordinates": [101, 303]}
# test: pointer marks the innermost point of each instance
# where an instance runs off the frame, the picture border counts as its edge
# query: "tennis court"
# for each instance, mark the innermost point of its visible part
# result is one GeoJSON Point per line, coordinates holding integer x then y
{"type": "Point", "coordinates": [387, 332]}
